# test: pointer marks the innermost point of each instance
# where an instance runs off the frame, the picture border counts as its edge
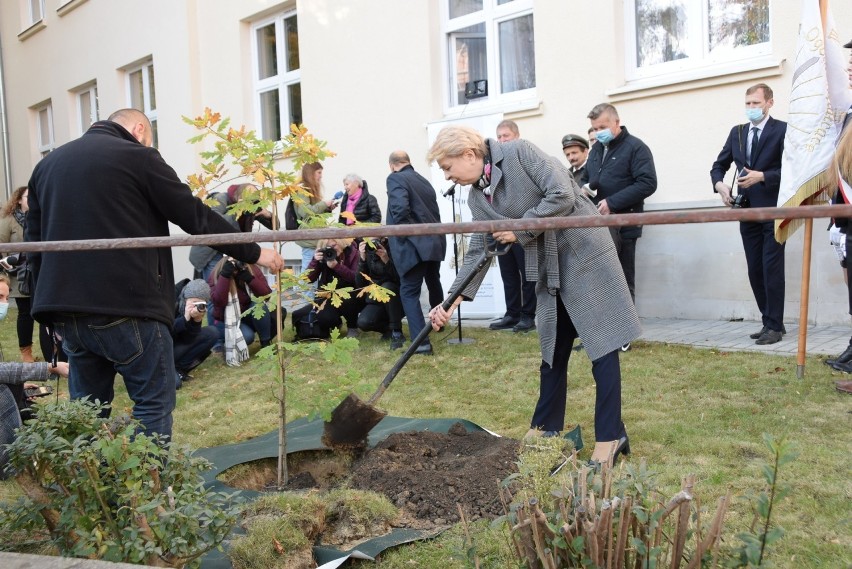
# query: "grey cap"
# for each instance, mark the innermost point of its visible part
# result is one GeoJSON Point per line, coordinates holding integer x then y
{"type": "Point", "coordinates": [196, 289]}
{"type": "Point", "coordinates": [574, 140]}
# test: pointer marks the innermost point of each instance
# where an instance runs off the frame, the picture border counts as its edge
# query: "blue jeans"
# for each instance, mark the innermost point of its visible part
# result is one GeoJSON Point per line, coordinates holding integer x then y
{"type": "Point", "coordinates": [139, 349]}
{"type": "Point", "coordinates": [264, 326]}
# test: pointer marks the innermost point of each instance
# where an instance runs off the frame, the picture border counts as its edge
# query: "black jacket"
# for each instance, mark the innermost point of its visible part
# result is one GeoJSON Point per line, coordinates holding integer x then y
{"type": "Point", "coordinates": [107, 185]}
{"type": "Point", "coordinates": [625, 178]}
{"type": "Point", "coordinates": [366, 210]}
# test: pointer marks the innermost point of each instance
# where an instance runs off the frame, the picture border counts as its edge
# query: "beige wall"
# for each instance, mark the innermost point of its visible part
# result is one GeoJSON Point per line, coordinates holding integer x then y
{"type": "Point", "coordinates": [371, 74]}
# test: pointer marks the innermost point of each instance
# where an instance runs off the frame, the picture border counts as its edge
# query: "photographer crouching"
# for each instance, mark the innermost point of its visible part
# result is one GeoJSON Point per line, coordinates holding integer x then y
{"type": "Point", "coordinates": [333, 259]}
{"type": "Point", "coordinates": [386, 317]}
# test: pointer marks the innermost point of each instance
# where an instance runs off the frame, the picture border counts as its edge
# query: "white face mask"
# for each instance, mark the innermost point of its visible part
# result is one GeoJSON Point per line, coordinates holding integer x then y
{"type": "Point", "coordinates": [4, 309]}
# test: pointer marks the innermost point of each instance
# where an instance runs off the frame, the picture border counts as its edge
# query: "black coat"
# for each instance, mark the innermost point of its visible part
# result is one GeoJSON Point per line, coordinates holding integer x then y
{"type": "Point", "coordinates": [366, 210]}
{"type": "Point", "coordinates": [107, 185]}
{"type": "Point", "coordinates": [625, 178]}
{"type": "Point", "coordinates": [412, 199]}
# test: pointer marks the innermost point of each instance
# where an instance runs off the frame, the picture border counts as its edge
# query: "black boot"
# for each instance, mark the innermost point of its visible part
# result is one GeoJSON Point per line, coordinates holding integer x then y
{"type": "Point", "coordinates": [844, 358]}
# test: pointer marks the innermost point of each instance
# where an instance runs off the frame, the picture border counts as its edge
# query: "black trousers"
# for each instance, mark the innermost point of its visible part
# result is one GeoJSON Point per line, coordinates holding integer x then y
{"type": "Point", "coordinates": [518, 291]}
{"type": "Point", "coordinates": [765, 261]}
{"type": "Point", "coordinates": [627, 256]}
{"type": "Point", "coordinates": [382, 316]}
{"type": "Point", "coordinates": [549, 414]}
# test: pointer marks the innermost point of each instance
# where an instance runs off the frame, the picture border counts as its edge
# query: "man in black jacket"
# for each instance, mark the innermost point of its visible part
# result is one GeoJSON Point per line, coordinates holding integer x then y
{"type": "Point", "coordinates": [412, 199]}
{"type": "Point", "coordinates": [621, 171]}
{"type": "Point", "coordinates": [114, 309]}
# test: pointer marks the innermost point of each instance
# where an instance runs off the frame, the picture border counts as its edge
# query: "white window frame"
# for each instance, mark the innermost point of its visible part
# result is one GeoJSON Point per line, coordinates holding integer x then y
{"type": "Point", "coordinates": [87, 116]}
{"type": "Point", "coordinates": [146, 69]}
{"type": "Point", "coordinates": [282, 80]}
{"type": "Point", "coordinates": [492, 15]}
{"type": "Point", "coordinates": [44, 147]}
{"type": "Point", "coordinates": [699, 31]}
{"type": "Point", "coordinates": [33, 17]}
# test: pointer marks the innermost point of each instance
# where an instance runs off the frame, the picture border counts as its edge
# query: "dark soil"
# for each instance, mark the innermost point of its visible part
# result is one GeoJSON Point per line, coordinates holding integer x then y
{"type": "Point", "coordinates": [426, 474]}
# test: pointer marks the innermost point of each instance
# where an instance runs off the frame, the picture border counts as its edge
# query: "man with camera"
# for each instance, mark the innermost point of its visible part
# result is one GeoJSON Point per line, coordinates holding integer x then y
{"type": "Point", "coordinates": [755, 148]}
{"type": "Point", "coordinates": [192, 341]}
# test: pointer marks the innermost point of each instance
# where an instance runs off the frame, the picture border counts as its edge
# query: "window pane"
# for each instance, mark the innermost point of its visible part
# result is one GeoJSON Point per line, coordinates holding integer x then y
{"type": "Point", "coordinates": [43, 127]}
{"type": "Point", "coordinates": [155, 134]}
{"type": "Point", "coordinates": [152, 92]}
{"type": "Point", "coordinates": [463, 7]}
{"type": "Point", "coordinates": [470, 53]}
{"type": "Point", "coordinates": [735, 23]}
{"type": "Point", "coordinates": [517, 54]}
{"type": "Point", "coordinates": [294, 99]}
{"type": "Point", "coordinates": [267, 57]}
{"type": "Point", "coordinates": [86, 118]}
{"type": "Point", "coordinates": [501, 2]}
{"type": "Point", "coordinates": [35, 11]}
{"type": "Point", "coordinates": [270, 115]}
{"type": "Point", "coordinates": [137, 97]}
{"type": "Point", "coordinates": [291, 35]}
{"type": "Point", "coordinates": [662, 31]}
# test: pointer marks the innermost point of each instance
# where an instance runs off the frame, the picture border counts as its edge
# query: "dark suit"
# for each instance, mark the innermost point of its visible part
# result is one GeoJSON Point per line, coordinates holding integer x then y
{"type": "Point", "coordinates": [411, 199]}
{"type": "Point", "coordinates": [764, 255]}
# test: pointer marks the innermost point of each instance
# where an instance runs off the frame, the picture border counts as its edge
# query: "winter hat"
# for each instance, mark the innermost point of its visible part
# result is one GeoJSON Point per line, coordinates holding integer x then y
{"type": "Point", "coordinates": [196, 289]}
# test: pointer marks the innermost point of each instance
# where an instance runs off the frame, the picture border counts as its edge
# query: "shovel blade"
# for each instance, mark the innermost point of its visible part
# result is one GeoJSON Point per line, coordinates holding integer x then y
{"type": "Point", "coordinates": [350, 423]}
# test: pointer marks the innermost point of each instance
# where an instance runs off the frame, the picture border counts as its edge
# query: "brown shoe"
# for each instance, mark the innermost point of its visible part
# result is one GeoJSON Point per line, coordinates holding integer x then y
{"type": "Point", "coordinates": [27, 354]}
{"type": "Point", "coordinates": [844, 386]}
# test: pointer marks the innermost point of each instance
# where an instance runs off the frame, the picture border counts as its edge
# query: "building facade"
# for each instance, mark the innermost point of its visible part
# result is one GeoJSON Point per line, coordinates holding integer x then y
{"type": "Point", "coordinates": [372, 76]}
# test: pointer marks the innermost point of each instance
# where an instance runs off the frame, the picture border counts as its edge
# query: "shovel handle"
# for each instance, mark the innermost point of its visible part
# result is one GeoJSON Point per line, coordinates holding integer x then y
{"type": "Point", "coordinates": [481, 262]}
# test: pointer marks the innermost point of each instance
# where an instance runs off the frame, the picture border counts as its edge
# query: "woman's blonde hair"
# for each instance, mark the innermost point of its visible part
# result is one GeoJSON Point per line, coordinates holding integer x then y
{"type": "Point", "coordinates": [453, 141]}
{"type": "Point", "coordinates": [842, 163]}
{"type": "Point", "coordinates": [344, 242]}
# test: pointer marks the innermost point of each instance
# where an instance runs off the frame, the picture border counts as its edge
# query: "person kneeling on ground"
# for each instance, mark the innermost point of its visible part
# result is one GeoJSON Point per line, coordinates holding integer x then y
{"type": "Point", "coordinates": [193, 342]}
{"type": "Point", "coordinates": [333, 259]}
{"type": "Point", "coordinates": [233, 283]}
{"type": "Point", "coordinates": [376, 263]}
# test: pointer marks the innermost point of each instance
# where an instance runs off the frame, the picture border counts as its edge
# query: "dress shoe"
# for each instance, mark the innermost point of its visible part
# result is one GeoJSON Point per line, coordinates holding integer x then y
{"type": "Point", "coordinates": [505, 323]}
{"type": "Point", "coordinates": [535, 433]}
{"type": "Point", "coordinates": [769, 337]}
{"type": "Point", "coordinates": [843, 358]}
{"type": "Point", "coordinates": [763, 330]}
{"type": "Point", "coordinates": [525, 324]}
{"type": "Point", "coordinates": [608, 451]}
{"type": "Point", "coordinates": [844, 367]}
{"type": "Point", "coordinates": [396, 340]}
{"type": "Point", "coordinates": [843, 386]}
{"type": "Point", "coordinates": [424, 349]}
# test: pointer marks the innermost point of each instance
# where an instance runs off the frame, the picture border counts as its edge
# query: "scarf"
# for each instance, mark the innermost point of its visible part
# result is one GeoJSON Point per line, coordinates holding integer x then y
{"type": "Point", "coordinates": [352, 201]}
{"type": "Point", "coordinates": [236, 350]}
{"type": "Point", "coordinates": [20, 216]}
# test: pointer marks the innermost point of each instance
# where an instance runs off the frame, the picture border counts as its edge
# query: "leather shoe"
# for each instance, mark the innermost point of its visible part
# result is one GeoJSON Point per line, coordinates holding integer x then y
{"type": "Point", "coordinates": [525, 324]}
{"type": "Point", "coordinates": [505, 323]}
{"type": "Point", "coordinates": [843, 358]}
{"type": "Point", "coordinates": [769, 337]}
{"type": "Point", "coordinates": [843, 386]}
{"type": "Point", "coordinates": [424, 349]}
{"type": "Point", "coordinates": [844, 367]}
{"type": "Point", "coordinates": [763, 330]}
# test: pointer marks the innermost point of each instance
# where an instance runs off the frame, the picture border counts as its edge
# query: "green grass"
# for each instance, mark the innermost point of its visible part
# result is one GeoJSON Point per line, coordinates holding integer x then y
{"type": "Point", "coordinates": [687, 411]}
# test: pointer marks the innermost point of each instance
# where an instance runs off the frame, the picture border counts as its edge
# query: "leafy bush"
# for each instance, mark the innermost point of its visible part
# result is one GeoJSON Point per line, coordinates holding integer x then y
{"type": "Point", "coordinates": [103, 491]}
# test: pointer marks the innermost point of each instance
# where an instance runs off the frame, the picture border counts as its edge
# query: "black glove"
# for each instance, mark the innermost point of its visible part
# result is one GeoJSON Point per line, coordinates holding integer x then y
{"type": "Point", "coordinates": [227, 269]}
{"type": "Point", "coordinates": [245, 276]}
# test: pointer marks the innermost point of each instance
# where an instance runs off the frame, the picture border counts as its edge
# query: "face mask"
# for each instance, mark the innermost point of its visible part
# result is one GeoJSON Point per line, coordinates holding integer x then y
{"type": "Point", "coordinates": [754, 114]}
{"type": "Point", "coordinates": [4, 308]}
{"type": "Point", "coordinates": [604, 136]}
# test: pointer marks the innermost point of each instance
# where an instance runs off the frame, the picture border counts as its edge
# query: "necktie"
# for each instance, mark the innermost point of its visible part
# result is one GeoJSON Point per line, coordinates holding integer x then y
{"type": "Point", "coordinates": [753, 152]}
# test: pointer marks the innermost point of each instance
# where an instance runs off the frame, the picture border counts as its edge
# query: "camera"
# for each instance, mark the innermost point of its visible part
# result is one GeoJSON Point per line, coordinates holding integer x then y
{"type": "Point", "coordinates": [200, 306]}
{"type": "Point", "coordinates": [329, 254]}
{"type": "Point", "coordinates": [740, 201]}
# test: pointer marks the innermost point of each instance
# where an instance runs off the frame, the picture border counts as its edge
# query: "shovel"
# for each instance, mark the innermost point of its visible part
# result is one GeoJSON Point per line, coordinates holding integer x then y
{"type": "Point", "coordinates": [353, 419]}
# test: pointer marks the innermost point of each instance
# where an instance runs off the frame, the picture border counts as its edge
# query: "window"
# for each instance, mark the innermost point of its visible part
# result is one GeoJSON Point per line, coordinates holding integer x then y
{"type": "Point", "coordinates": [668, 36]}
{"type": "Point", "coordinates": [490, 48]}
{"type": "Point", "coordinates": [277, 77]}
{"type": "Point", "coordinates": [44, 129]}
{"type": "Point", "coordinates": [87, 107]}
{"type": "Point", "coordinates": [142, 95]}
{"type": "Point", "coordinates": [36, 10]}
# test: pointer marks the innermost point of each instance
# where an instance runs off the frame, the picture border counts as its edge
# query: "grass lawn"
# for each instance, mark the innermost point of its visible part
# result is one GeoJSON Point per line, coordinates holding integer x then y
{"type": "Point", "coordinates": [687, 411]}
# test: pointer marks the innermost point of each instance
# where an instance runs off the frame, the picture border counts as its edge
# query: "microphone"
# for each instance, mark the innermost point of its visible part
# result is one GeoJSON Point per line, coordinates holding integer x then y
{"type": "Point", "coordinates": [451, 191]}
{"type": "Point", "coordinates": [338, 195]}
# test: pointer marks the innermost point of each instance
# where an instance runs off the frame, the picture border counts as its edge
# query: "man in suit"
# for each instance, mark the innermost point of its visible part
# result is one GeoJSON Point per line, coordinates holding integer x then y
{"type": "Point", "coordinates": [518, 292]}
{"type": "Point", "coordinates": [411, 199]}
{"type": "Point", "coordinates": [756, 148]}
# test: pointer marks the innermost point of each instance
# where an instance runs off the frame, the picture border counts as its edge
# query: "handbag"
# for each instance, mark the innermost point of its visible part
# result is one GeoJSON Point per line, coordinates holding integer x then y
{"type": "Point", "coordinates": [25, 279]}
{"type": "Point", "coordinates": [308, 327]}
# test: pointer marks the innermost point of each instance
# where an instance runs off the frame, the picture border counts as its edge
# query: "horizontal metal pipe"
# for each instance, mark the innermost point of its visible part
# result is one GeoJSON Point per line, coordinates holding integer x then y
{"type": "Point", "coordinates": [648, 218]}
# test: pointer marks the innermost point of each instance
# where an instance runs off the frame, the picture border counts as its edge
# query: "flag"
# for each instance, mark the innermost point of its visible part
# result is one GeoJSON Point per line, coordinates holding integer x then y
{"type": "Point", "coordinates": [819, 100]}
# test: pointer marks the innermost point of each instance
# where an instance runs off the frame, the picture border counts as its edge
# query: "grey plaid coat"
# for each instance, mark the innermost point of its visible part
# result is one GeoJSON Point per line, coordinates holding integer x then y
{"type": "Point", "coordinates": [579, 264]}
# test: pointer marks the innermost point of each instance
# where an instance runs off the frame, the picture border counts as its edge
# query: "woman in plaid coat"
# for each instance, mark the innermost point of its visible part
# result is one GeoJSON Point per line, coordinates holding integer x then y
{"type": "Point", "coordinates": [581, 290]}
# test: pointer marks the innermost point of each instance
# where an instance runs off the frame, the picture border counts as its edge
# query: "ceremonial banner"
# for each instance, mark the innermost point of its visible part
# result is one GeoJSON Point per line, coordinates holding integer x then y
{"type": "Point", "coordinates": [819, 100]}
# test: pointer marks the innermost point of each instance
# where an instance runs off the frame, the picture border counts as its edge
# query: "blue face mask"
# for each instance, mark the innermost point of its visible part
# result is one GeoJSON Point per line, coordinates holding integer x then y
{"type": "Point", "coordinates": [4, 308]}
{"type": "Point", "coordinates": [604, 136]}
{"type": "Point", "coordinates": [754, 114]}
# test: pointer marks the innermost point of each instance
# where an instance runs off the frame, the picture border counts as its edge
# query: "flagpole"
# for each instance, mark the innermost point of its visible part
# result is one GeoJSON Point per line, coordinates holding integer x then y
{"type": "Point", "coordinates": [803, 299]}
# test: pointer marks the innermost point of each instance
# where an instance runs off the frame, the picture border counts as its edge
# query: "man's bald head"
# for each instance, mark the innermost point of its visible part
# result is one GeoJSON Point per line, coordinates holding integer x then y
{"type": "Point", "coordinates": [398, 160]}
{"type": "Point", "coordinates": [136, 123]}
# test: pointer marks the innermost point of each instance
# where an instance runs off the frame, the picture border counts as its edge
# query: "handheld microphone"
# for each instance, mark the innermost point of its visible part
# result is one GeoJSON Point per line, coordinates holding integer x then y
{"type": "Point", "coordinates": [450, 191]}
{"type": "Point", "coordinates": [338, 195]}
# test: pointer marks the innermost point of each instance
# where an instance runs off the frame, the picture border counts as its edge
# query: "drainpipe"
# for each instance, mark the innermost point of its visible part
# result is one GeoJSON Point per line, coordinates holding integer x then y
{"type": "Point", "coordinates": [4, 129]}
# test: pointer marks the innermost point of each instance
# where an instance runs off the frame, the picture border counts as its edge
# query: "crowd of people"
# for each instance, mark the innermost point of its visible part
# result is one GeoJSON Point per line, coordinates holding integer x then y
{"type": "Point", "coordinates": [153, 333]}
